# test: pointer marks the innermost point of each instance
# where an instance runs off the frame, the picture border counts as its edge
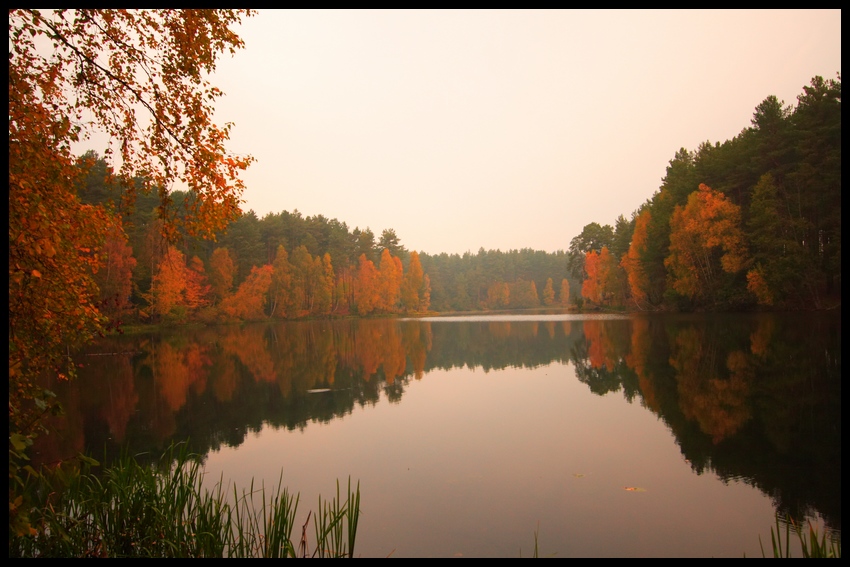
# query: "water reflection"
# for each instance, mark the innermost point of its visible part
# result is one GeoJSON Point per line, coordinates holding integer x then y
{"type": "Point", "coordinates": [749, 397]}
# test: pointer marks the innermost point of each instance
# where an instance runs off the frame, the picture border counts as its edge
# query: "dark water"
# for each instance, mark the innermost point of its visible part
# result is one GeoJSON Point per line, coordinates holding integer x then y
{"type": "Point", "coordinates": [639, 436]}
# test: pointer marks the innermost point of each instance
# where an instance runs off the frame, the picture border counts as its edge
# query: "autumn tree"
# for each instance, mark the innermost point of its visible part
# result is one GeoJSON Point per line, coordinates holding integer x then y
{"type": "Point", "coordinates": [549, 293]}
{"type": "Point", "coordinates": [324, 286]}
{"type": "Point", "coordinates": [280, 290]}
{"type": "Point", "coordinates": [425, 299]}
{"type": "Point", "coordinates": [632, 262]}
{"type": "Point", "coordinates": [389, 281]}
{"type": "Point", "coordinates": [611, 278]}
{"type": "Point", "coordinates": [593, 237]}
{"type": "Point", "coordinates": [198, 292]}
{"type": "Point", "coordinates": [603, 274]}
{"type": "Point", "coordinates": [564, 295]}
{"type": "Point", "coordinates": [590, 286]}
{"type": "Point", "coordinates": [523, 294]}
{"type": "Point", "coordinates": [150, 247]}
{"type": "Point", "coordinates": [114, 277]}
{"type": "Point", "coordinates": [179, 288]}
{"type": "Point", "coordinates": [344, 289]}
{"type": "Point", "coordinates": [140, 79]}
{"type": "Point", "coordinates": [169, 284]}
{"type": "Point", "coordinates": [498, 295]}
{"type": "Point", "coordinates": [249, 300]}
{"type": "Point", "coordinates": [412, 285]}
{"type": "Point", "coordinates": [221, 272]}
{"type": "Point", "coordinates": [705, 240]}
{"type": "Point", "coordinates": [306, 277]}
{"type": "Point", "coordinates": [366, 286]}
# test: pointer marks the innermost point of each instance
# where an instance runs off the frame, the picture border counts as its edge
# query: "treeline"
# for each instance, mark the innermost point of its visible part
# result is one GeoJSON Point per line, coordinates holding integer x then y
{"type": "Point", "coordinates": [288, 266]}
{"type": "Point", "coordinates": [280, 266]}
{"type": "Point", "coordinates": [755, 221]}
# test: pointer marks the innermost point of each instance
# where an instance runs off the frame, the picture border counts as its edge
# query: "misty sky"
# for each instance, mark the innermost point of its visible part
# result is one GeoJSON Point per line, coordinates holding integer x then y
{"type": "Point", "coordinates": [498, 129]}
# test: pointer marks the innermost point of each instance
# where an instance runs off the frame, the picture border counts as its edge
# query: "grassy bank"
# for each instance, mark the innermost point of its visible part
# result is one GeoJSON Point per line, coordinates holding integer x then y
{"type": "Point", "coordinates": [131, 510]}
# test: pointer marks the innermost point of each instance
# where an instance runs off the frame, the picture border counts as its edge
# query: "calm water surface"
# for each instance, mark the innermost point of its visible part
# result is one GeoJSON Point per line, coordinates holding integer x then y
{"type": "Point", "coordinates": [636, 436]}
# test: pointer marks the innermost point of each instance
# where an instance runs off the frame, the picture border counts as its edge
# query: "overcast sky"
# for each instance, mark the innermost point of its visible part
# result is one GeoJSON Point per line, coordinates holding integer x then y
{"type": "Point", "coordinates": [498, 129]}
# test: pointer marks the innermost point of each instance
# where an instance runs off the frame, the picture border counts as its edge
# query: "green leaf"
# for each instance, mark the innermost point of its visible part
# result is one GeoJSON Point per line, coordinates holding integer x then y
{"type": "Point", "coordinates": [89, 460]}
{"type": "Point", "coordinates": [19, 442]}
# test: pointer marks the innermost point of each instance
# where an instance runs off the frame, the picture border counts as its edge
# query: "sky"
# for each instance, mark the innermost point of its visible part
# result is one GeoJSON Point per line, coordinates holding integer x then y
{"type": "Point", "coordinates": [467, 129]}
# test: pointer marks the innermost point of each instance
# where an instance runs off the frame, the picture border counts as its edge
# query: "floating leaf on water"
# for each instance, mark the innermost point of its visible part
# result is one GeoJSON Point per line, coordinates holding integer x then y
{"type": "Point", "coordinates": [634, 489]}
{"type": "Point", "coordinates": [318, 390]}
{"type": "Point", "coordinates": [578, 475]}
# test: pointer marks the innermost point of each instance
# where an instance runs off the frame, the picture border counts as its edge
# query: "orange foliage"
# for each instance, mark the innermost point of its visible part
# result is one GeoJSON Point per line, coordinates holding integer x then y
{"type": "Point", "coordinates": [123, 397]}
{"type": "Point", "coordinates": [425, 301]}
{"type": "Point", "coordinates": [393, 355]}
{"type": "Point", "coordinates": [707, 222]}
{"type": "Point", "coordinates": [198, 292]}
{"type": "Point", "coordinates": [760, 339]}
{"type": "Point", "coordinates": [498, 295]}
{"type": "Point", "coordinates": [324, 286]}
{"type": "Point", "coordinates": [717, 403]}
{"type": "Point", "coordinates": [169, 283]}
{"type": "Point", "coordinates": [248, 301]}
{"type": "Point", "coordinates": [606, 275]}
{"type": "Point", "coordinates": [222, 270]}
{"type": "Point", "coordinates": [595, 348]}
{"type": "Point", "coordinates": [114, 278]}
{"type": "Point", "coordinates": [412, 285]}
{"type": "Point", "coordinates": [631, 262]}
{"type": "Point", "coordinates": [249, 347]}
{"type": "Point", "coordinates": [389, 282]}
{"type": "Point", "coordinates": [549, 293]}
{"type": "Point", "coordinates": [600, 349]}
{"type": "Point", "coordinates": [366, 286]}
{"type": "Point", "coordinates": [417, 343]}
{"type": "Point", "coordinates": [305, 280]}
{"type": "Point", "coordinates": [758, 286]}
{"type": "Point", "coordinates": [638, 360]}
{"type": "Point", "coordinates": [564, 296]}
{"type": "Point", "coordinates": [140, 78]}
{"type": "Point", "coordinates": [590, 286]}
{"type": "Point", "coordinates": [171, 375]}
{"type": "Point", "coordinates": [280, 292]}
{"type": "Point", "coordinates": [225, 381]}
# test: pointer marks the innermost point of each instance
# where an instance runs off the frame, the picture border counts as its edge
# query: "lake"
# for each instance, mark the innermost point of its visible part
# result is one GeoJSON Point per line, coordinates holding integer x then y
{"type": "Point", "coordinates": [604, 435]}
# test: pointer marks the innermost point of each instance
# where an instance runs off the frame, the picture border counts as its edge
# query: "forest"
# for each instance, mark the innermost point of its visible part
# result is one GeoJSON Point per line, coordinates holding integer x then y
{"type": "Point", "coordinates": [752, 223]}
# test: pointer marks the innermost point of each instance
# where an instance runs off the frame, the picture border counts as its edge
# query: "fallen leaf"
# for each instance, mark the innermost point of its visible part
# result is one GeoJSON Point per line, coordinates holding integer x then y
{"type": "Point", "coordinates": [634, 489]}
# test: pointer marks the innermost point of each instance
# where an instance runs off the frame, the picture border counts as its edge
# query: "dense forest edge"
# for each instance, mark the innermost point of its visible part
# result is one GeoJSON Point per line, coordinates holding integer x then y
{"type": "Point", "coordinates": [753, 223]}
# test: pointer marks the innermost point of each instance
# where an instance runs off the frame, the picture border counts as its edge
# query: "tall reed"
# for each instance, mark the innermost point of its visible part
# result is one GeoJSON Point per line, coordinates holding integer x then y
{"type": "Point", "coordinates": [133, 510]}
{"type": "Point", "coordinates": [811, 545]}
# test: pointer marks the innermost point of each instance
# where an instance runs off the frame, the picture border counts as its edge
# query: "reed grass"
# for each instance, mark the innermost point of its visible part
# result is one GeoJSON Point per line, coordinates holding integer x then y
{"type": "Point", "coordinates": [812, 545]}
{"type": "Point", "coordinates": [133, 510]}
